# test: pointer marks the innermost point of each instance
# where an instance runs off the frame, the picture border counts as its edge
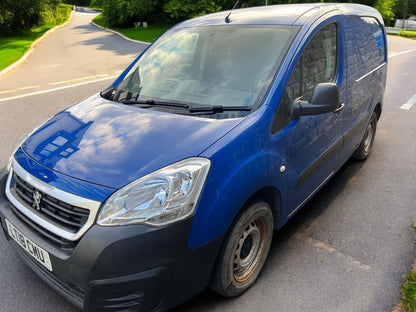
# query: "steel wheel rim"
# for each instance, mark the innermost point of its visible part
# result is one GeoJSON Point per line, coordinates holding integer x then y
{"type": "Point", "coordinates": [369, 138]}
{"type": "Point", "coordinates": [250, 249]}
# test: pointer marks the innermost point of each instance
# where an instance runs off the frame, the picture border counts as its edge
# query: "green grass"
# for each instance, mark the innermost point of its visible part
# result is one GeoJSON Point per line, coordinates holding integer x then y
{"type": "Point", "coordinates": [408, 33]}
{"type": "Point", "coordinates": [13, 47]}
{"type": "Point", "coordinates": [149, 34]}
{"type": "Point", "coordinates": [409, 292]}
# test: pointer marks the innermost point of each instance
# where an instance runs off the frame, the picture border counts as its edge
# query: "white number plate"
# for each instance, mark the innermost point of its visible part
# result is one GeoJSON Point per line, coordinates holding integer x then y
{"type": "Point", "coordinates": [30, 247]}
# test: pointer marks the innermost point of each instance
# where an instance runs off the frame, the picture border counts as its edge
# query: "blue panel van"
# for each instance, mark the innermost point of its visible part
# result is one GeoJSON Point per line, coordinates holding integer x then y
{"type": "Point", "coordinates": [174, 177]}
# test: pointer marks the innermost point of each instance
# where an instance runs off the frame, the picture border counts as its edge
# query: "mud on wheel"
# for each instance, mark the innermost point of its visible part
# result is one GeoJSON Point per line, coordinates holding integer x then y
{"type": "Point", "coordinates": [364, 149]}
{"type": "Point", "coordinates": [244, 250]}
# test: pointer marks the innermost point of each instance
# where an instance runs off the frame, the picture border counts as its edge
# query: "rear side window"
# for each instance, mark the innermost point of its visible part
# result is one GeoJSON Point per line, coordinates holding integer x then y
{"type": "Point", "coordinates": [366, 45]}
{"type": "Point", "coordinates": [317, 64]}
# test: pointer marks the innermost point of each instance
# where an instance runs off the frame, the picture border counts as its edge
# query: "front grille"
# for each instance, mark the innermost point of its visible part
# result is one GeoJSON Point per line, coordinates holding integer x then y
{"type": "Point", "coordinates": [67, 217]}
{"type": "Point", "coordinates": [59, 242]}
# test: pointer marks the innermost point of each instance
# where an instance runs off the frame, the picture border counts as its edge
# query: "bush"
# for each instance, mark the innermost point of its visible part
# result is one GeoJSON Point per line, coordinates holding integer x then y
{"type": "Point", "coordinates": [96, 3]}
{"type": "Point", "coordinates": [183, 9]}
{"type": "Point", "coordinates": [24, 14]}
{"type": "Point", "coordinates": [123, 13]}
{"type": "Point", "coordinates": [408, 33]}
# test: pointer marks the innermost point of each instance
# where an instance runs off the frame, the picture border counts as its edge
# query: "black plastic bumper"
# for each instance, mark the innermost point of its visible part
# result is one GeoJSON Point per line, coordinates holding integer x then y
{"type": "Point", "coordinates": [129, 268]}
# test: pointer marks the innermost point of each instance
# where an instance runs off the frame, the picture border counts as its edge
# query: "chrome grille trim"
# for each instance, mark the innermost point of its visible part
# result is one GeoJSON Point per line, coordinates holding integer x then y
{"type": "Point", "coordinates": [71, 199]}
{"type": "Point", "coordinates": [70, 218]}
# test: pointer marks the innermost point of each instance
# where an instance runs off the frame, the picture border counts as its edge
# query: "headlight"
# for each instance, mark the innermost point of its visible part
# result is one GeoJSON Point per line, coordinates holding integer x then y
{"type": "Point", "coordinates": [21, 141]}
{"type": "Point", "coordinates": [165, 196]}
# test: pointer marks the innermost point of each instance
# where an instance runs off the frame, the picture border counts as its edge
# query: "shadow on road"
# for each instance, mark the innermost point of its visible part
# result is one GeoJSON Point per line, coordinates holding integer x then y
{"type": "Point", "coordinates": [109, 41]}
{"type": "Point", "coordinates": [86, 29]}
{"type": "Point", "coordinates": [208, 299]}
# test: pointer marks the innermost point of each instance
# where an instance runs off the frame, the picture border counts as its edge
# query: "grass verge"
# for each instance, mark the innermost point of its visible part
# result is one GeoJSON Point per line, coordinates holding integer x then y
{"type": "Point", "coordinates": [409, 292]}
{"type": "Point", "coordinates": [149, 34]}
{"type": "Point", "coordinates": [408, 33]}
{"type": "Point", "coordinates": [14, 46]}
{"type": "Point", "coordinates": [409, 286]}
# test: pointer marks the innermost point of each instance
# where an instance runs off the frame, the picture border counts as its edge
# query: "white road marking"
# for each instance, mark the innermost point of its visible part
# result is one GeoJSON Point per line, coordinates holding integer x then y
{"type": "Point", "coordinates": [19, 89]}
{"type": "Point", "coordinates": [51, 66]}
{"type": "Point", "coordinates": [409, 104]}
{"type": "Point", "coordinates": [79, 79]}
{"type": "Point", "coordinates": [29, 87]}
{"type": "Point", "coordinates": [60, 82]}
{"type": "Point", "coordinates": [55, 89]}
{"type": "Point", "coordinates": [400, 53]}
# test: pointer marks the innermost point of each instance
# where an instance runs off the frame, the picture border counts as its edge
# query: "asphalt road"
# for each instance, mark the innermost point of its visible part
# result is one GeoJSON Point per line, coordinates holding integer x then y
{"type": "Point", "coordinates": [67, 66]}
{"type": "Point", "coordinates": [347, 250]}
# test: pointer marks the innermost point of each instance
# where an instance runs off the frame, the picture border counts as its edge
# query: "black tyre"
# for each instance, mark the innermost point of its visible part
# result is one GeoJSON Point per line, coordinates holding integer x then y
{"type": "Point", "coordinates": [362, 152]}
{"type": "Point", "coordinates": [244, 250]}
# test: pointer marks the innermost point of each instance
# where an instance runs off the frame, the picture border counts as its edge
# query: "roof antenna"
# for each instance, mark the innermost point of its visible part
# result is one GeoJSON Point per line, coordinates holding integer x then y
{"type": "Point", "coordinates": [227, 19]}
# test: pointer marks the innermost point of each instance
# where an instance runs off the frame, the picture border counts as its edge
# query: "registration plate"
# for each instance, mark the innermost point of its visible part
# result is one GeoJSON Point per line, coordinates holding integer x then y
{"type": "Point", "coordinates": [30, 247]}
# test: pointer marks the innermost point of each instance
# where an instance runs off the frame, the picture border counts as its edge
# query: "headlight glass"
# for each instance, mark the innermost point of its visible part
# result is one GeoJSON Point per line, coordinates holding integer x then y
{"type": "Point", "coordinates": [165, 196]}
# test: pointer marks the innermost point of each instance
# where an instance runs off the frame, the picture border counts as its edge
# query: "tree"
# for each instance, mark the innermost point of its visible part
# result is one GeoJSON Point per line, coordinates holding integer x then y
{"type": "Point", "coordinates": [78, 2]}
{"type": "Point", "coordinates": [139, 10]}
{"type": "Point", "coordinates": [405, 8]}
{"type": "Point", "coordinates": [386, 7]}
{"type": "Point", "coordinates": [123, 13]}
{"type": "Point", "coordinates": [24, 14]}
{"type": "Point", "coordinates": [182, 9]}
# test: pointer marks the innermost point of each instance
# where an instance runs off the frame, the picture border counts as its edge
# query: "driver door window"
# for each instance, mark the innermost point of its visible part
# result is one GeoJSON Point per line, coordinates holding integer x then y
{"type": "Point", "coordinates": [317, 64]}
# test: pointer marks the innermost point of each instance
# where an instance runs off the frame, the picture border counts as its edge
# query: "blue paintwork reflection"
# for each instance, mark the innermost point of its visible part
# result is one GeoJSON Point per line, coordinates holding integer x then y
{"type": "Point", "coordinates": [63, 141]}
{"type": "Point", "coordinates": [61, 181]}
{"type": "Point", "coordinates": [113, 144]}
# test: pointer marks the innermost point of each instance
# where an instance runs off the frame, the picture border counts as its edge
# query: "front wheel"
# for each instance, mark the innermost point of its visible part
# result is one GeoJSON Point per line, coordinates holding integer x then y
{"type": "Point", "coordinates": [244, 251]}
{"type": "Point", "coordinates": [362, 152]}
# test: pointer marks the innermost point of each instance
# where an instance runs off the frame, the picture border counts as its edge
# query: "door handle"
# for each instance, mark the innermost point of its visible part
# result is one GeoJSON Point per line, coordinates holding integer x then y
{"type": "Point", "coordinates": [340, 108]}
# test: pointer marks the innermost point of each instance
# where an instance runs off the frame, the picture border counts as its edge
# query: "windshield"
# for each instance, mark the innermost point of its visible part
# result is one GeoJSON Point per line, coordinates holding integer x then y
{"type": "Point", "coordinates": [226, 66]}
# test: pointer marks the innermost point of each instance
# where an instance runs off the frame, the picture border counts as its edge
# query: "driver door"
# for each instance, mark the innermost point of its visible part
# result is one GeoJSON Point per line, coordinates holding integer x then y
{"type": "Point", "coordinates": [313, 142]}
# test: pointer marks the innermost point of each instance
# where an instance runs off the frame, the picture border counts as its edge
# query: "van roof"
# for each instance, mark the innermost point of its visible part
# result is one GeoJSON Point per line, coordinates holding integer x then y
{"type": "Point", "coordinates": [287, 14]}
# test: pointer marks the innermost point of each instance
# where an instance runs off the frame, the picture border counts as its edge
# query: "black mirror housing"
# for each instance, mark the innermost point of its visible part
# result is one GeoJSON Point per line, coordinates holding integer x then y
{"type": "Point", "coordinates": [325, 99]}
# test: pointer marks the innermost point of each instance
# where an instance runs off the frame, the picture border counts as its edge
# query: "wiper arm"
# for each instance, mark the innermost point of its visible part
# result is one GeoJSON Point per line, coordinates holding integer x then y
{"type": "Point", "coordinates": [151, 102]}
{"type": "Point", "coordinates": [212, 109]}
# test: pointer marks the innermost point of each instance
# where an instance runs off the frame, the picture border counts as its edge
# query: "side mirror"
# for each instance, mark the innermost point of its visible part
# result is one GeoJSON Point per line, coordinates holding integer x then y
{"type": "Point", "coordinates": [325, 99]}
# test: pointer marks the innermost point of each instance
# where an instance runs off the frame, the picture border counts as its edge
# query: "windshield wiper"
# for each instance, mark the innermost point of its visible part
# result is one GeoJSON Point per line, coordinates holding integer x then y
{"type": "Point", "coordinates": [151, 102]}
{"type": "Point", "coordinates": [212, 109]}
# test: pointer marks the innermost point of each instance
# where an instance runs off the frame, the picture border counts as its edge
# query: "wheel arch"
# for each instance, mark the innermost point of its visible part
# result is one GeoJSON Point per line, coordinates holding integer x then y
{"type": "Point", "coordinates": [377, 110]}
{"type": "Point", "coordinates": [272, 197]}
{"type": "Point", "coordinates": [221, 203]}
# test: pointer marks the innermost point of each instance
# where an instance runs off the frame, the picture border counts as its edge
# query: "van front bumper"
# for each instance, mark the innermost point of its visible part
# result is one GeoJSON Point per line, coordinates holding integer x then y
{"type": "Point", "coordinates": [129, 268]}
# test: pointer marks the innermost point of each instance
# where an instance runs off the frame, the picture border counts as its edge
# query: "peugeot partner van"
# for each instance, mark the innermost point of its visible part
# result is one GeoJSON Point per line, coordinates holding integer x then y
{"type": "Point", "coordinates": [175, 177]}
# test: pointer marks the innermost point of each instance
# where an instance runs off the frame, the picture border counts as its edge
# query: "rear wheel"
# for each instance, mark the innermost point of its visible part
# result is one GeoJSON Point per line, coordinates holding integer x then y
{"type": "Point", "coordinates": [244, 251]}
{"type": "Point", "coordinates": [362, 152]}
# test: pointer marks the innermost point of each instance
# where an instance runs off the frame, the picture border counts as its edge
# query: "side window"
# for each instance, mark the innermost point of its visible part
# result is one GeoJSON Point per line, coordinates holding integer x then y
{"type": "Point", "coordinates": [317, 64]}
{"type": "Point", "coordinates": [365, 38]}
